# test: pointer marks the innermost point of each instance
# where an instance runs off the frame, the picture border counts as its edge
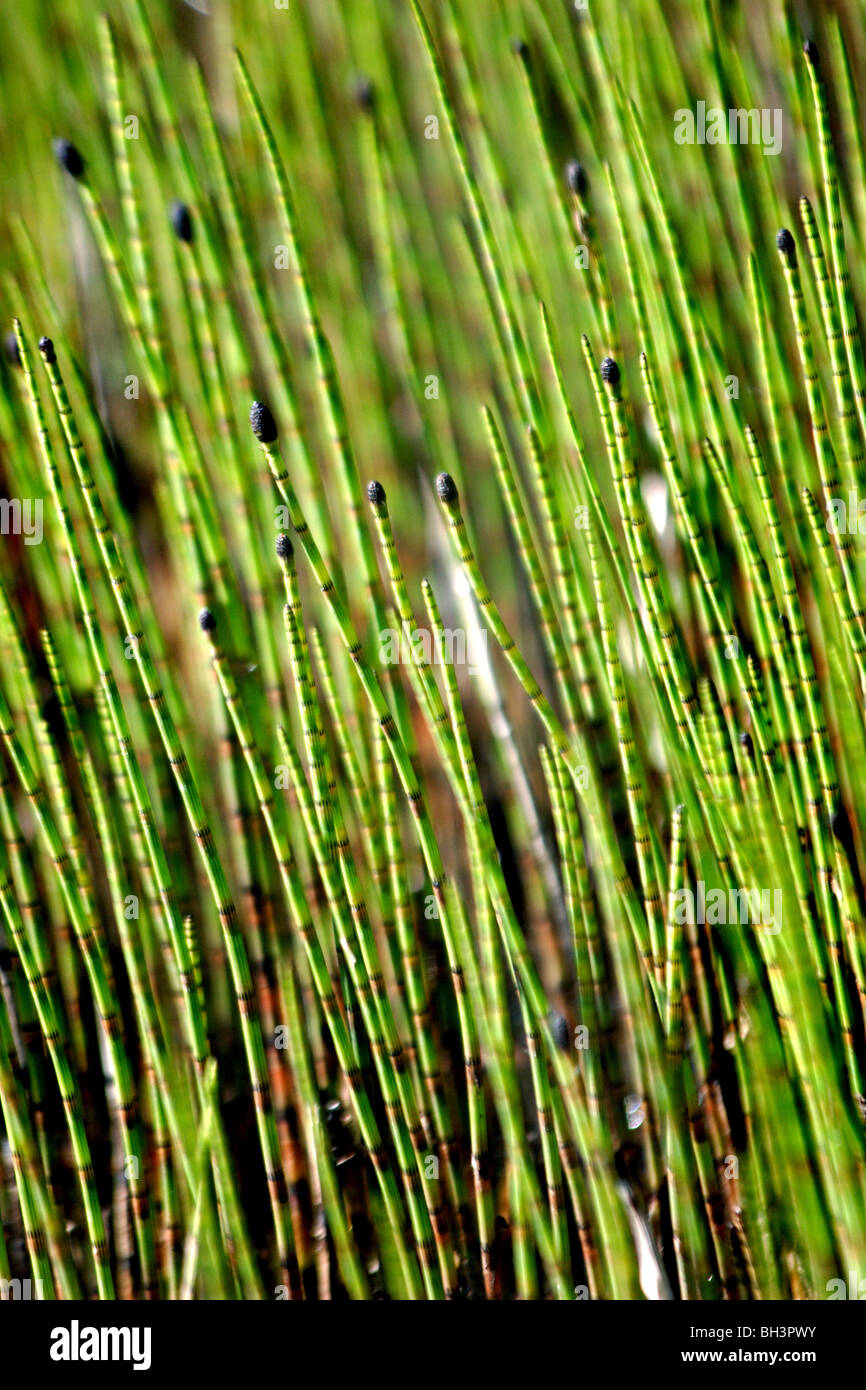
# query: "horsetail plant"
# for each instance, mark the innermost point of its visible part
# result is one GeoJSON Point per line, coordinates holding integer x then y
{"type": "Point", "coordinates": [447, 886]}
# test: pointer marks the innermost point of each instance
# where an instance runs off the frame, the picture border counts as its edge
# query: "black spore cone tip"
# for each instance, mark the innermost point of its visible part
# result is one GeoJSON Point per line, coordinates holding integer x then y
{"type": "Point", "coordinates": [446, 488]}
{"type": "Point", "coordinates": [206, 620]}
{"type": "Point", "coordinates": [181, 220]}
{"type": "Point", "coordinates": [610, 372]}
{"type": "Point", "coordinates": [375, 493]}
{"type": "Point", "coordinates": [365, 93]}
{"type": "Point", "coordinates": [785, 241]}
{"type": "Point", "coordinates": [575, 177]}
{"type": "Point", "coordinates": [46, 347]}
{"type": "Point", "coordinates": [520, 47]}
{"type": "Point", "coordinates": [68, 157]}
{"type": "Point", "coordinates": [810, 48]}
{"type": "Point", "coordinates": [284, 546]}
{"type": "Point", "coordinates": [262, 423]}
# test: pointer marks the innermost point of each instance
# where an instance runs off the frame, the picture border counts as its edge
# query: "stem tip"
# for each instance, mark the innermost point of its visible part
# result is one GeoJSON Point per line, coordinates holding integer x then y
{"type": "Point", "coordinates": [610, 372]}
{"type": "Point", "coordinates": [365, 93]}
{"type": "Point", "coordinates": [181, 220]}
{"type": "Point", "coordinates": [262, 423]}
{"type": "Point", "coordinates": [446, 489]}
{"type": "Point", "coordinates": [575, 177]}
{"type": "Point", "coordinates": [68, 157]}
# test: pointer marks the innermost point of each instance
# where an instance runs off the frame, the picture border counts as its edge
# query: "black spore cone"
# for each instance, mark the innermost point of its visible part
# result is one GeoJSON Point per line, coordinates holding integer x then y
{"type": "Point", "coordinates": [575, 177]}
{"type": "Point", "coordinates": [181, 220]}
{"type": "Point", "coordinates": [68, 157]}
{"type": "Point", "coordinates": [46, 347]}
{"type": "Point", "coordinates": [375, 493]}
{"type": "Point", "coordinates": [446, 488]}
{"type": "Point", "coordinates": [610, 372]}
{"type": "Point", "coordinates": [262, 423]}
{"type": "Point", "coordinates": [206, 620]}
{"type": "Point", "coordinates": [365, 93]}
